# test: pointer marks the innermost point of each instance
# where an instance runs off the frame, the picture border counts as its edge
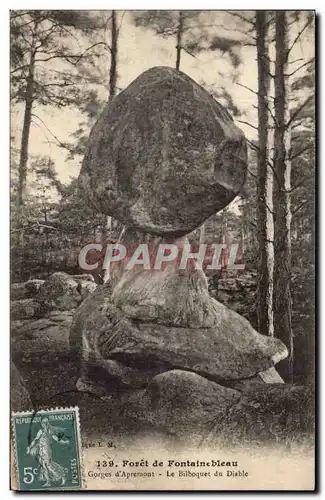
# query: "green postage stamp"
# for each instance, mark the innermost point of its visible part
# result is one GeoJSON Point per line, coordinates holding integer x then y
{"type": "Point", "coordinates": [47, 449]}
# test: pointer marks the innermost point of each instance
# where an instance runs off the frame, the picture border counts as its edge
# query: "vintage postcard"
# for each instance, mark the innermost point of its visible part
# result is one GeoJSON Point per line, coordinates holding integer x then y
{"type": "Point", "coordinates": [162, 250]}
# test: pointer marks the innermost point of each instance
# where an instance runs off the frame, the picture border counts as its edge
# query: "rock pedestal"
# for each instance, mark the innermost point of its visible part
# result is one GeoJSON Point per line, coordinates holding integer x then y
{"type": "Point", "coordinates": [162, 158]}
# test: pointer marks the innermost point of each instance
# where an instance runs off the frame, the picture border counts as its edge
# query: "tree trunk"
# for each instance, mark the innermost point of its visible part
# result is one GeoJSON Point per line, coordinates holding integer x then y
{"type": "Point", "coordinates": [107, 228]}
{"type": "Point", "coordinates": [113, 66]}
{"type": "Point", "coordinates": [29, 96]}
{"type": "Point", "coordinates": [245, 226]}
{"type": "Point", "coordinates": [179, 39]}
{"type": "Point", "coordinates": [112, 83]}
{"type": "Point", "coordinates": [282, 197]}
{"type": "Point", "coordinates": [264, 186]}
{"type": "Point", "coordinates": [23, 159]}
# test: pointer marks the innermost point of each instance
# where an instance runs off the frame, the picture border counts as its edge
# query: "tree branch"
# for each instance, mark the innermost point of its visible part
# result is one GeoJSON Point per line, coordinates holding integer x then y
{"type": "Point", "coordinates": [297, 124]}
{"type": "Point", "coordinates": [299, 35]}
{"type": "Point", "coordinates": [63, 84]}
{"type": "Point", "coordinates": [53, 135]}
{"type": "Point", "coordinates": [298, 184]}
{"type": "Point", "coordinates": [183, 48]}
{"type": "Point", "coordinates": [52, 70]}
{"type": "Point", "coordinates": [274, 173]}
{"type": "Point", "coordinates": [91, 47]}
{"type": "Point", "coordinates": [252, 174]}
{"type": "Point", "coordinates": [46, 137]}
{"type": "Point", "coordinates": [252, 145]}
{"type": "Point", "coordinates": [247, 88]}
{"type": "Point", "coordinates": [43, 40]}
{"type": "Point", "coordinates": [122, 17]}
{"type": "Point", "coordinates": [62, 230]}
{"type": "Point", "coordinates": [296, 60]}
{"type": "Point", "coordinates": [249, 32]}
{"type": "Point", "coordinates": [299, 207]}
{"type": "Point", "coordinates": [298, 110]}
{"type": "Point", "coordinates": [301, 151]}
{"type": "Point", "coordinates": [254, 92]}
{"type": "Point", "coordinates": [300, 67]}
{"type": "Point", "coordinates": [60, 56]}
{"type": "Point", "coordinates": [242, 18]}
{"type": "Point", "coordinates": [70, 56]}
{"type": "Point", "coordinates": [246, 123]}
{"type": "Point", "coordinates": [256, 148]}
{"type": "Point", "coordinates": [19, 68]}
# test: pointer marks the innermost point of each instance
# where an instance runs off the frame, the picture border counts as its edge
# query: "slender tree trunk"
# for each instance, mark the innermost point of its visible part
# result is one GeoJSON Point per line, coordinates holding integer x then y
{"type": "Point", "coordinates": [113, 66]}
{"type": "Point", "coordinates": [29, 97]}
{"type": "Point", "coordinates": [107, 229]}
{"type": "Point", "coordinates": [264, 186]}
{"type": "Point", "coordinates": [311, 375]}
{"type": "Point", "coordinates": [179, 39]}
{"type": "Point", "coordinates": [245, 227]}
{"type": "Point", "coordinates": [112, 82]}
{"type": "Point", "coordinates": [242, 241]}
{"type": "Point", "coordinates": [23, 160]}
{"type": "Point", "coordinates": [47, 249]}
{"type": "Point", "coordinates": [282, 197]}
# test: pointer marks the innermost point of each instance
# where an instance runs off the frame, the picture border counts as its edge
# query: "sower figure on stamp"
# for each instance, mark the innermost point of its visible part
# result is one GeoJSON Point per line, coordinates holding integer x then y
{"type": "Point", "coordinates": [41, 449]}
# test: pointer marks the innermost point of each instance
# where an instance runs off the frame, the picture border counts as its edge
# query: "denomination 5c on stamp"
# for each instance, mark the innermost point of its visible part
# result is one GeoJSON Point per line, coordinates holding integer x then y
{"type": "Point", "coordinates": [47, 449]}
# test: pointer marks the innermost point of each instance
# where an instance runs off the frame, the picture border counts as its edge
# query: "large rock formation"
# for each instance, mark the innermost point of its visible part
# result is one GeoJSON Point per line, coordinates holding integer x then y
{"type": "Point", "coordinates": [19, 397]}
{"type": "Point", "coordinates": [41, 318]}
{"type": "Point", "coordinates": [41, 340]}
{"type": "Point", "coordinates": [25, 290]}
{"type": "Point", "coordinates": [200, 412]}
{"type": "Point", "coordinates": [134, 350]}
{"type": "Point", "coordinates": [164, 156]}
{"type": "Point", "coordinates": [61, 291]}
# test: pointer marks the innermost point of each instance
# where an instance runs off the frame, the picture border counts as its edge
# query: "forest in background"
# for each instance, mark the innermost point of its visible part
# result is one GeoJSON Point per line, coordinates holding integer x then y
{"type": "Point", "coordinates": [70, 59]}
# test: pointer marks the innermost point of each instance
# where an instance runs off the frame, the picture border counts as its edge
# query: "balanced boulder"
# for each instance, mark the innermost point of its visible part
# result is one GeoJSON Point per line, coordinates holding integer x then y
{"type": "Point", "coordinates": [164, 155]}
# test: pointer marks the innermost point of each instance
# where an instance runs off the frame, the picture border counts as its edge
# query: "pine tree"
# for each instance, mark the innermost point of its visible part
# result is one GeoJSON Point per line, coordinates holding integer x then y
{"type": "Point", "coordinates": [283, 188]}
{"type": "Point", "coordinates": [264, 185]}
{"type": "Point", "coordinates": [38, 39]}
